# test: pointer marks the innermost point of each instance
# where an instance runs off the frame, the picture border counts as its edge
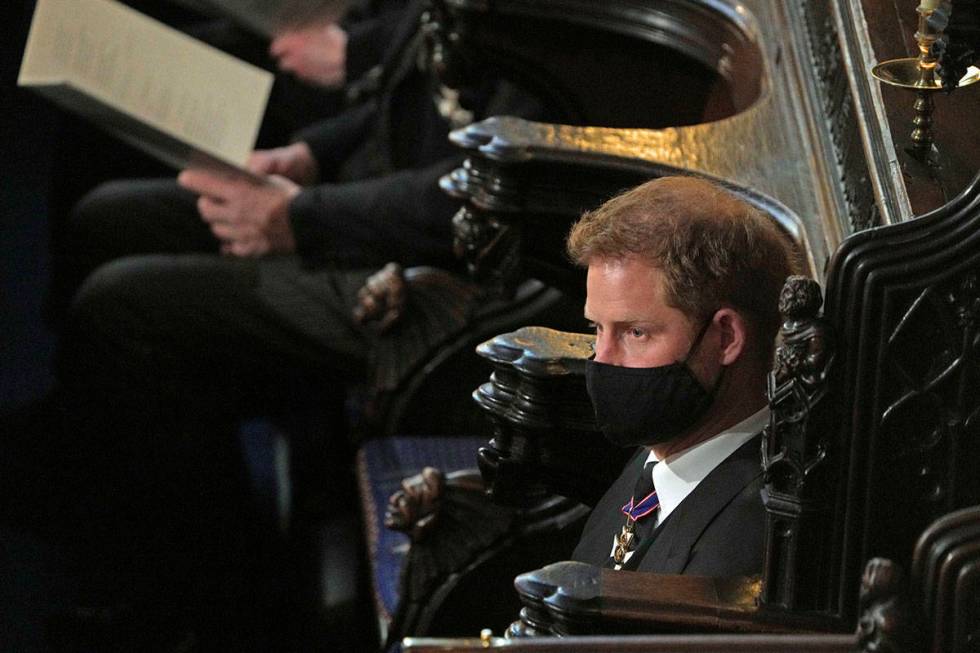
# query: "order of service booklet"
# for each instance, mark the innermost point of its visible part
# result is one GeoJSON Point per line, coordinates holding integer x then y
{"type": "Point", "coordinates": [152, 86]}
{"type": "Point", "coordinates": [266, 17]}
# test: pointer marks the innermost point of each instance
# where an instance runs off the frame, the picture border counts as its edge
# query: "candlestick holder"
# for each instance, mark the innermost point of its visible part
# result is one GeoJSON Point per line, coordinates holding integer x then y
{"type": "Point", "coordinates": [919, 74]}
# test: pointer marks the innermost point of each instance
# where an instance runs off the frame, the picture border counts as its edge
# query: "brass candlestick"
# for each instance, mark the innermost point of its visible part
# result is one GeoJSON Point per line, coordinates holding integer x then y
{"type": "Point", "coordinates": [919, 73]}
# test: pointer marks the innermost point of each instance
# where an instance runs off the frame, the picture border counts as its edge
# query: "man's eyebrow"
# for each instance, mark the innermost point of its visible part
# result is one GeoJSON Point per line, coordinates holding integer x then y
{"type": "Point", "coordinates": [652, 323]}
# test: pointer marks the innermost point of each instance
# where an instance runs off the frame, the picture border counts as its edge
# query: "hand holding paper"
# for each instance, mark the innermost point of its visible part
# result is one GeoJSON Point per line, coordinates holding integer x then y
{"type": "Point", "coordinates": [250, 218]}
{"type": "Point", "coordinates": [294, 162]}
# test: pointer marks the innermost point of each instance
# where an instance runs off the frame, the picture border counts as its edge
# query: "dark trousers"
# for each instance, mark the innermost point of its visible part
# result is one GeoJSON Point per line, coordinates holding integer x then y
{"type": "Point", "coordinates": [166, 336]}
{"type": "Point", "coordinates": [152, 271]}
{"type": "Point", "coordinates": [167, 347]}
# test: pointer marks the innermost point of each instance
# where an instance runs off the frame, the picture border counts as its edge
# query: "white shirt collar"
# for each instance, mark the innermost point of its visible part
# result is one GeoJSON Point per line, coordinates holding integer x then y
{"type": "Point", "coordinates": [677, 475]}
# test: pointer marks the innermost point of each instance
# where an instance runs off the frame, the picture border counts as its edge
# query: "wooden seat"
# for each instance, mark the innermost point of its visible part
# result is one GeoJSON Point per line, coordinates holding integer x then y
{"type": "Point", "coordinates": [845, 383]}
{"type": "Point", "coordinates": [872, 439]}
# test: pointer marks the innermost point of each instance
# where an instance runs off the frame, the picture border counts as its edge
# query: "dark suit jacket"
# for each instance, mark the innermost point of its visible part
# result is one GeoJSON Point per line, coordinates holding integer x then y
{"type": "Point", "coordinates": [381, 162]}
{"type": "Point", "coordinates": [718, 530]}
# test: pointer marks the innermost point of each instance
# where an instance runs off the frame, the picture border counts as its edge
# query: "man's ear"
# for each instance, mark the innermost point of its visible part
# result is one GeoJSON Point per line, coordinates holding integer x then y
{"type": "Point", "coordinates": [734, 335]}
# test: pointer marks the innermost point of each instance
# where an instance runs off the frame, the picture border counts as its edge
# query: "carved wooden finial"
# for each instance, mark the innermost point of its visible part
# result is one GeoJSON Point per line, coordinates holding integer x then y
{"type": "Point", "coordinates": [414, 508]}
{"type": "Point", "coordinates": [885, 625]}
{"type": "Point", "coordinates": [382, 299]}
{"type": "Point", "coordinates": [804, 349]}
{"type": "Point", "coordinates": [797, 452]}
{"type": "Point", "coordinates": [800, 298]}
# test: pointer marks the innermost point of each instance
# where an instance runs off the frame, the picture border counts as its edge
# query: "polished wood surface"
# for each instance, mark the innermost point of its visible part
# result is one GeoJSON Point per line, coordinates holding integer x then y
{"type": "Point", "coordinates": [645, 644]}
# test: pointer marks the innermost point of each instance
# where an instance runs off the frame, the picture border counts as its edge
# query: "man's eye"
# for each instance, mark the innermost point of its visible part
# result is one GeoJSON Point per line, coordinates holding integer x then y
{"type": "Point", "coordinates": [595, 327]}
{"type": "Point", "coordinates": [636, 332]}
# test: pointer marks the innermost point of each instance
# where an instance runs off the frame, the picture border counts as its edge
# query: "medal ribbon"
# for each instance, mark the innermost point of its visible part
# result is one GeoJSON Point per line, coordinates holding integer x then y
{"type": "Point", "coordinates": [644, 507]}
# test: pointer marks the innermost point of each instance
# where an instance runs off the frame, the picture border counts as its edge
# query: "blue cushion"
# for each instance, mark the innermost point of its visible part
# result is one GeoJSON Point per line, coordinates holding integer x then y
{"type": "Point", "coordinates": [382, 464]}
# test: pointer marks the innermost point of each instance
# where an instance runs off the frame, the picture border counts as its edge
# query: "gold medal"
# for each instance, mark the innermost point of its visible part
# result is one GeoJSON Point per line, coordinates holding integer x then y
{"type": "Point", "coordinates": [624, 542]}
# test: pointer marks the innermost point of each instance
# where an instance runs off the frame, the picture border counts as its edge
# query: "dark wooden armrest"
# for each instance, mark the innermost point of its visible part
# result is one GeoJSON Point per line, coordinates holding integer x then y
{"type": "Point", "coordinates": [572, 598]}
{"type": "Point", "coordinates": [641, 644]}
{"type": "Point", "coordinates": [689, 602]}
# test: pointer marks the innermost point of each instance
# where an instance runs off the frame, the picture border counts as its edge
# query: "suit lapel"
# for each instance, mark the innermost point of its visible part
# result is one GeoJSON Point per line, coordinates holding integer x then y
{"type": "Point", "coordinates": [670, 548]}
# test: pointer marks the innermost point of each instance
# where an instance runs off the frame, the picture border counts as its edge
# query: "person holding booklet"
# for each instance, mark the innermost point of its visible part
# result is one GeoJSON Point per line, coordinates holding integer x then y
{"type": "Point", "coordinates": [292, 244]}
{"type": "Point", "coordinates": [323, 65]}
{"type": "Point", "coordinates": [229, 296]}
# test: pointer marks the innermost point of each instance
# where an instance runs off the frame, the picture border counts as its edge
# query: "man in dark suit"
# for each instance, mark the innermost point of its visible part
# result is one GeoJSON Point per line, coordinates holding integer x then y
{"type": "Point", "coordinates": [322, 67]}
{"type": "Point", "coordinates": [204, 303]}
{"type": "Point", "coordinates": [683, 283]}
{"type": "Point", "coordinates": [234, 300]}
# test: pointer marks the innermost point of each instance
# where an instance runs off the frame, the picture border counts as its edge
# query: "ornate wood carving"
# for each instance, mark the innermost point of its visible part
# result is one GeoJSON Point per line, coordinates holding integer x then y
{"type": "Point", "coordinates": [887, 426]}
{"type": "Point", "coordinates": [938, 609]}
{"type": "Point", "coordinates": [411, 315]}
{"type": "Point", "coordinates": [459, 538]}
{"type": "Point", "coordinates": [452, 523]}
{"type": "Point", "coordinates": [886, 623]}
{"type": "Point", "coordinates": [537, 587]}
{"type": "Point", "coordinates": [412, 311]}
{"type": "Point", "coordinates": [382, 299]}
{"type": "Point", "coordinates": [839, 112]}
{"type": "Point", "coordinates": [490, 248]}
{"type": "Point", "coordinates": [425, 324]}
{"type": "Point", "coordinates": [795, 448]}
{"type": "Point", "coordinates": [573, 598]}
{"type": "Point", "coordinates": [902, 301]}
{"type": "Point", "coordinates": [932, 389]}
{"type": "Point", "coordinates": [415, 508]}
{"type": "Point", "coordinates": [525, 183]}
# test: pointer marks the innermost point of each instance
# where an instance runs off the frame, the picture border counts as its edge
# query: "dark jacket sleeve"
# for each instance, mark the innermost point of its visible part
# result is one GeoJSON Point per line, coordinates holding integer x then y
{"type": "Point", "coordinates": [332, 140]}
{"type": "Point", "coordinates": [367, 42]}
{"type": "Point", "coordinates": [403, 216]}
{"type": "Point", "coordinates": [371, 28]}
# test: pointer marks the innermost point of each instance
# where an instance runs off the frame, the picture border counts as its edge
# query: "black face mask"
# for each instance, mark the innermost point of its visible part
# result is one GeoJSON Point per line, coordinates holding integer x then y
{"type": "Point", "coordinates": [636, 406]}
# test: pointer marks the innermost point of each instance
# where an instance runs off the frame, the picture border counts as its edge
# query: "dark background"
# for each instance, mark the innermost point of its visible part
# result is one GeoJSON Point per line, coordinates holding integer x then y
{"type": "Point", "coordinates": [37, 583]}
{"type": "Point", "coordinates": [32, 584]}
{"type": "Point", "coordinates": [26, 133]}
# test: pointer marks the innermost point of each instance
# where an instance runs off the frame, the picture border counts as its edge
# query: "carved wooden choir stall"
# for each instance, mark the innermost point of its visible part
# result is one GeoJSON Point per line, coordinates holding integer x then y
{"type": "Point", "coordinates": [870, 458]}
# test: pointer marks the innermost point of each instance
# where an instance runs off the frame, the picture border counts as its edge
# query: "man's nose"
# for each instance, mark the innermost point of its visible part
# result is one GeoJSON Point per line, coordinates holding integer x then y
{"type": "Point", "coordinates": [606, 351]}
